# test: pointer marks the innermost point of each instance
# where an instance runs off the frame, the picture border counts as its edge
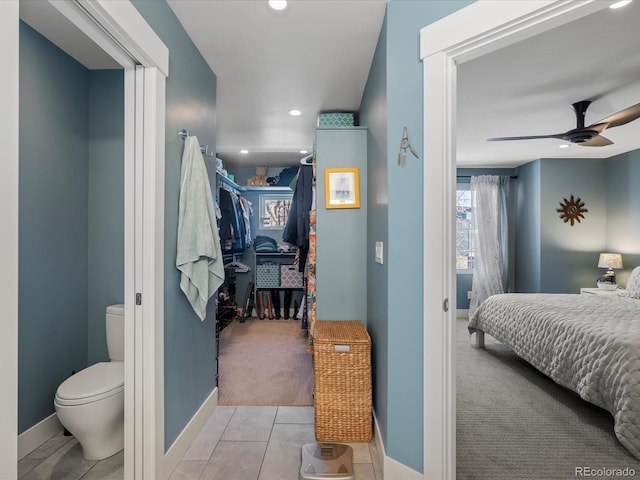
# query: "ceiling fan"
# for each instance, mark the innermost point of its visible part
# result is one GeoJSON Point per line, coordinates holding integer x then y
{"type": "Point", "coordinates": [586, 136]}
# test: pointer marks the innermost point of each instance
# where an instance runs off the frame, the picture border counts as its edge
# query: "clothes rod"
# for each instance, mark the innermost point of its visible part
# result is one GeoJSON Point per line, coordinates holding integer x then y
{"type": "Point", "coordinates": [469, 176]}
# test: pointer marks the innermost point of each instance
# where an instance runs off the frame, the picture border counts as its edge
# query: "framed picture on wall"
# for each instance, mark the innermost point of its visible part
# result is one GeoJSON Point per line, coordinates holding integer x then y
{"type": "Point", "coordinates": [342, 187]}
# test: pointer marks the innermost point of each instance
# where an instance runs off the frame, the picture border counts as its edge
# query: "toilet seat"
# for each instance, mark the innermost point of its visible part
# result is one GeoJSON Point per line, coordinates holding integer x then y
{"type": "Point", "coordinates": [94, 383]}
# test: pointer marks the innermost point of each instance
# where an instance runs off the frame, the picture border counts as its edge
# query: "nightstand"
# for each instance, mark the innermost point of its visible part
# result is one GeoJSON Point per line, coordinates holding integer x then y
{"type": "Point", "coordinates": [599, 291]}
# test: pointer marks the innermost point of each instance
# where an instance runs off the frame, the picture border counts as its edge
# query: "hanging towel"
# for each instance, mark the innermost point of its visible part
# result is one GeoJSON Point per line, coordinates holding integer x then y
{"type": "Point", "coordinates": [199, 256]}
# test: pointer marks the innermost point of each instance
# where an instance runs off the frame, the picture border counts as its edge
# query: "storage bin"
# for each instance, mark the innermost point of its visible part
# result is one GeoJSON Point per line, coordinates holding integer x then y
{"type": "Point", "coordinates": [290, 276]}
{"type": "Point", "coordinates": [268, 275]}
{"type": "Point", "coordinates": [342, 381]}
{"type": "Point", "coordinates": [336, 119]}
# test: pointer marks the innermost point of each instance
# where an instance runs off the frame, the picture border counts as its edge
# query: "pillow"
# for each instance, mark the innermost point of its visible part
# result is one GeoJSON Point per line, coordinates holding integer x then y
{"type": "Point", "coordinates": [633, 284]}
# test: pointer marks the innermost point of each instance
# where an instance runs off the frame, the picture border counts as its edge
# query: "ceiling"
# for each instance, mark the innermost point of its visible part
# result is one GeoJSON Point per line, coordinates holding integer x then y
{"type": "Point", "coordinates": [528, 89]}
{"type": "Point", "coordinates": [315, 56]}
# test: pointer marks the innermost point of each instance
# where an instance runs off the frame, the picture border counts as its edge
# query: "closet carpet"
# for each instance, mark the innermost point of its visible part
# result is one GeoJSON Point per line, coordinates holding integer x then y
{"type": "Point", "coordinates": [265, 363]}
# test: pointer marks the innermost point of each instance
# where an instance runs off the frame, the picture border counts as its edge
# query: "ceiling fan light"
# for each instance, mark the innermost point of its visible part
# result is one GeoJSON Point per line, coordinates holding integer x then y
{"type": "Point", "coordinates": [564, 145]}
{"type": "Point", "coordinates": [244, 151]}
{"type": "Point", "coordinates": [620, 4]}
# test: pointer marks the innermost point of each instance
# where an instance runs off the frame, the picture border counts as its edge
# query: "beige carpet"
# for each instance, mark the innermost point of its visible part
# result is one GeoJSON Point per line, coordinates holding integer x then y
{"type": "Point", "coordinates": [264, 362]}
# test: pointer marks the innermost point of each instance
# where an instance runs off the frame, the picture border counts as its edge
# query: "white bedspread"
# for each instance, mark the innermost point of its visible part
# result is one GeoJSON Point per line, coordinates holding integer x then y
{"type": "Point", "coordinates": [587, 343]}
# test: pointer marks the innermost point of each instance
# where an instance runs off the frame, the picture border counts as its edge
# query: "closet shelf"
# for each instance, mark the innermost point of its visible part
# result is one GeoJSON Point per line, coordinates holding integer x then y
{"type": "Point", "coordinates": [240, 188]}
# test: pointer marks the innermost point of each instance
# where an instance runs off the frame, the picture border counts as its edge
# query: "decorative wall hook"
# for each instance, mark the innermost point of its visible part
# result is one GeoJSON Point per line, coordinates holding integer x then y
{"type": "Point", "coordinates": [404, 144]}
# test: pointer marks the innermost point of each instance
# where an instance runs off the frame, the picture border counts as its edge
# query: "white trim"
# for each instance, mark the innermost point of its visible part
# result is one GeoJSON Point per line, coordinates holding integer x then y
{"type": "Point", "coordinates": [42, 431]}
{"type": "Point", "coordinates": [476, 30]}
{"type": "Point", "coordinates": [9, 166]}
{"type": "Point", "coordinates": [503, 23]}
{"type": "Point", "coordinates": [391, 468]}
{"type": "Point", "coordinates": [189, 433]}
{"type": "Point", "coordinates": [130, 30]}
{"type": "Point", "coordinates": [152, 341]}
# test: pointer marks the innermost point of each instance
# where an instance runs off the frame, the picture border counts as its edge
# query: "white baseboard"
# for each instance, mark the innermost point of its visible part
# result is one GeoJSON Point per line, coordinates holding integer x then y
{"type": "Point", "coordinates": [35, 436]}
{"type": "Point", "coordinates": [391, 469]}
{"type": "Point", "coordinates": [181, 444]}
{"type": "Point", "coordinates": [462, 313]}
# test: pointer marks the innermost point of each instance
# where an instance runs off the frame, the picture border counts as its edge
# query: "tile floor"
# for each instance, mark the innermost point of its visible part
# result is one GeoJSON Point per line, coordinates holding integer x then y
{"type": "Point", "coordinates": [236, 443]}
{"type": "Point", "coordinates": [260, 443]}
{"type": "Point", "coordinates": [60, 458]}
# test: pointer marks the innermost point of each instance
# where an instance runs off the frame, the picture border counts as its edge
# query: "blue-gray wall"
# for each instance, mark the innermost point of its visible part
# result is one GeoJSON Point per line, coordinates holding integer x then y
{"type": "Point", "coordinates": [71, 197]}
{"type": "Point", "coordinates": [341, 271]}
{"type": "Point", "coordinates": [569, 254]}
{"type": "Point", "coordinates": [106, 204]}
{"type": "Point", "coordinates": [552, 255]}
{"type": "Point", "coordinates": [394, 90]}
{"type": "Point", "coordinates": [623, 214]}
{"type": "Point", "coordinates": [190, 350]}
{"type": "Point", "coordinates": [528, 228]}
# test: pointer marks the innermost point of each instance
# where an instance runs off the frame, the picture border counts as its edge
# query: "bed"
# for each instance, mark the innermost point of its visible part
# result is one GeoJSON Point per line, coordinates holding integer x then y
{"type": "Point", "coordinates": [587, 343]}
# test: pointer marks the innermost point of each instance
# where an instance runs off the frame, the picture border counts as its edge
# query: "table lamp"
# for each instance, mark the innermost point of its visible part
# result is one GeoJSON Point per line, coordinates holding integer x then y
{"type": "Point", "coordinates": [609, 261]}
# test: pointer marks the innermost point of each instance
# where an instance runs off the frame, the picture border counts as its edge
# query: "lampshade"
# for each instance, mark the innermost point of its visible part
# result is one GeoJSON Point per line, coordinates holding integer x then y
{"type": "Point", "coordinates": [610, 260]}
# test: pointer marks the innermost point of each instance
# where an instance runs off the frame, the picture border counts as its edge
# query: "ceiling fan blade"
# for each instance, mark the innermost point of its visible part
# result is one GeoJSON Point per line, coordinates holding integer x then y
{"type": "Point", "coordinates": [620, 118]}
{"type": "Point", "coordinates": [531, 137]}
{"type": "Point", "coordinates": [597, 141]}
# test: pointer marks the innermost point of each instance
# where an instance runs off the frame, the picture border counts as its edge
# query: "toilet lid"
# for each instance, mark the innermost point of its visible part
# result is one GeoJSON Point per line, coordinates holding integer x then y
{"type": "Point", "coordinates": [91, 384]}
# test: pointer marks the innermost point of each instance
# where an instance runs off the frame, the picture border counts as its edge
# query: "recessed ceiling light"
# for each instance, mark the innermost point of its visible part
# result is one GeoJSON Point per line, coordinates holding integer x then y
{"type": "Point", "coordinates": [304, 151]}
{"type": "Point", "coordinates": [278, 4]}
{"type": "Point", "coordinates": [295, 112]}
{"type": "Point", "coordinates": [620, 4]}
{"type": "Point", "coordinates": [244, 151]}
{"type": "Point", "coordinates": [564, 145]}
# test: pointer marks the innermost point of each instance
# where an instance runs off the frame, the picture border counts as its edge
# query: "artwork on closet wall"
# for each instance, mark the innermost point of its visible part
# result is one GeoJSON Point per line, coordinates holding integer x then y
{"type": "Point", "coordinates": [342, 187]}
{"type": "Point", "coordinates": [274, 211]}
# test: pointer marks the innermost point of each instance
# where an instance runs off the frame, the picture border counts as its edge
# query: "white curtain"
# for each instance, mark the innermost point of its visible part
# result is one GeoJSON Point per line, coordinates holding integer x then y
{"type": "Point", "coordinates": [490, 238]}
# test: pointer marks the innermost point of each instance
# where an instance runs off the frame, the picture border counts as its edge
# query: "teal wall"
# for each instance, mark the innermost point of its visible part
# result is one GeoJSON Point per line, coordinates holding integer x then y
{"type": "Point", "coordinates": [373, 114]}
{"type": "Point", "coordinates": [190, 351]}
{"type": "Point", "coordinates": [623, 214]}
{"type": "Point", "coordinates": [395, 85]}
{"type": "Point", "coordinates": [71, 197]}
{"type": "Point", "coordinates": [341, 272]}
{"type": "Point", "coordinates": [569, 254]}
{"type": "Point", "coordinates": [52, 308]}
{"type": "Point", "coordinates": [527, 261]}
{"type": "Point", "coordinates": [555, 257]}
{"type": "Point", "coordinates": [106, 204]}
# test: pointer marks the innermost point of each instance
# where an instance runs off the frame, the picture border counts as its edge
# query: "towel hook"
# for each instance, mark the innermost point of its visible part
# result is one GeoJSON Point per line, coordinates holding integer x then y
{"type": "Point", "coordinates": [184, 133]}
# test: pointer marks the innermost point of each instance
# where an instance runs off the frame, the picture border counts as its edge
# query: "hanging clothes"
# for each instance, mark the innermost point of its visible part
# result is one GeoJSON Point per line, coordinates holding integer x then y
{"type": "Point", "coordinates": [199, 255]}
{"type": "Point", "coordinates": [296, 230]}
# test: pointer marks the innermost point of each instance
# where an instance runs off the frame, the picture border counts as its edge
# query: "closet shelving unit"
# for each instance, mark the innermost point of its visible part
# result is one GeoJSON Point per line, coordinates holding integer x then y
{"type": "Point", "coordinates": [230, 183]}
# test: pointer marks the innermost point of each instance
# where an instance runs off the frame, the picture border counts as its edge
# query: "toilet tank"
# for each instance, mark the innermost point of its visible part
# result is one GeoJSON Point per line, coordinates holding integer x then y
{"type": "Point", "coordinates": [115, 332]}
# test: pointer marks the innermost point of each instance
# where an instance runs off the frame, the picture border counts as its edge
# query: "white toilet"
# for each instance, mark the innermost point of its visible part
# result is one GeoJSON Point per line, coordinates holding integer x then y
{"type": "Point", "coordinates": [90, 404]}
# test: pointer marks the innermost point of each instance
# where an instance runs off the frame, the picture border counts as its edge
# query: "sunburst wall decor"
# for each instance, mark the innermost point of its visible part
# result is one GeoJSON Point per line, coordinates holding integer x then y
{"type": "Point", "coordinates": [572, 210]}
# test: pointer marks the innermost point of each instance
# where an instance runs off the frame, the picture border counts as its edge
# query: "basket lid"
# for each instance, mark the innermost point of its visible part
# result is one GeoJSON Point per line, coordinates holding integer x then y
{"type": "Point", "coordinates": [351, 331]}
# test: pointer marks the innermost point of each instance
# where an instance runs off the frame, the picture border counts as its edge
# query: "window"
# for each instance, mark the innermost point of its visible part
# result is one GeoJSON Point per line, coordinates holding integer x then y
{"type": "Point", "coordinates": [274, 211]}
{"type": "Point", "coordinates": [464, 228]}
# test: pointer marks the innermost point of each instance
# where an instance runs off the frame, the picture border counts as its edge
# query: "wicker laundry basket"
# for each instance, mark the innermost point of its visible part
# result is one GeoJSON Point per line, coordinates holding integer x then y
{"type": "Point", "coordinates": [342, 381]}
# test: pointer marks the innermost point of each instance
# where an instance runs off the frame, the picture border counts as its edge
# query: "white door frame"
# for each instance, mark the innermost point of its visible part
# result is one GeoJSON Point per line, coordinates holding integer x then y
{"type": "Point", "coordinates": [480, 28]}
{"type": "Point", "coordinates": [120, 30]}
